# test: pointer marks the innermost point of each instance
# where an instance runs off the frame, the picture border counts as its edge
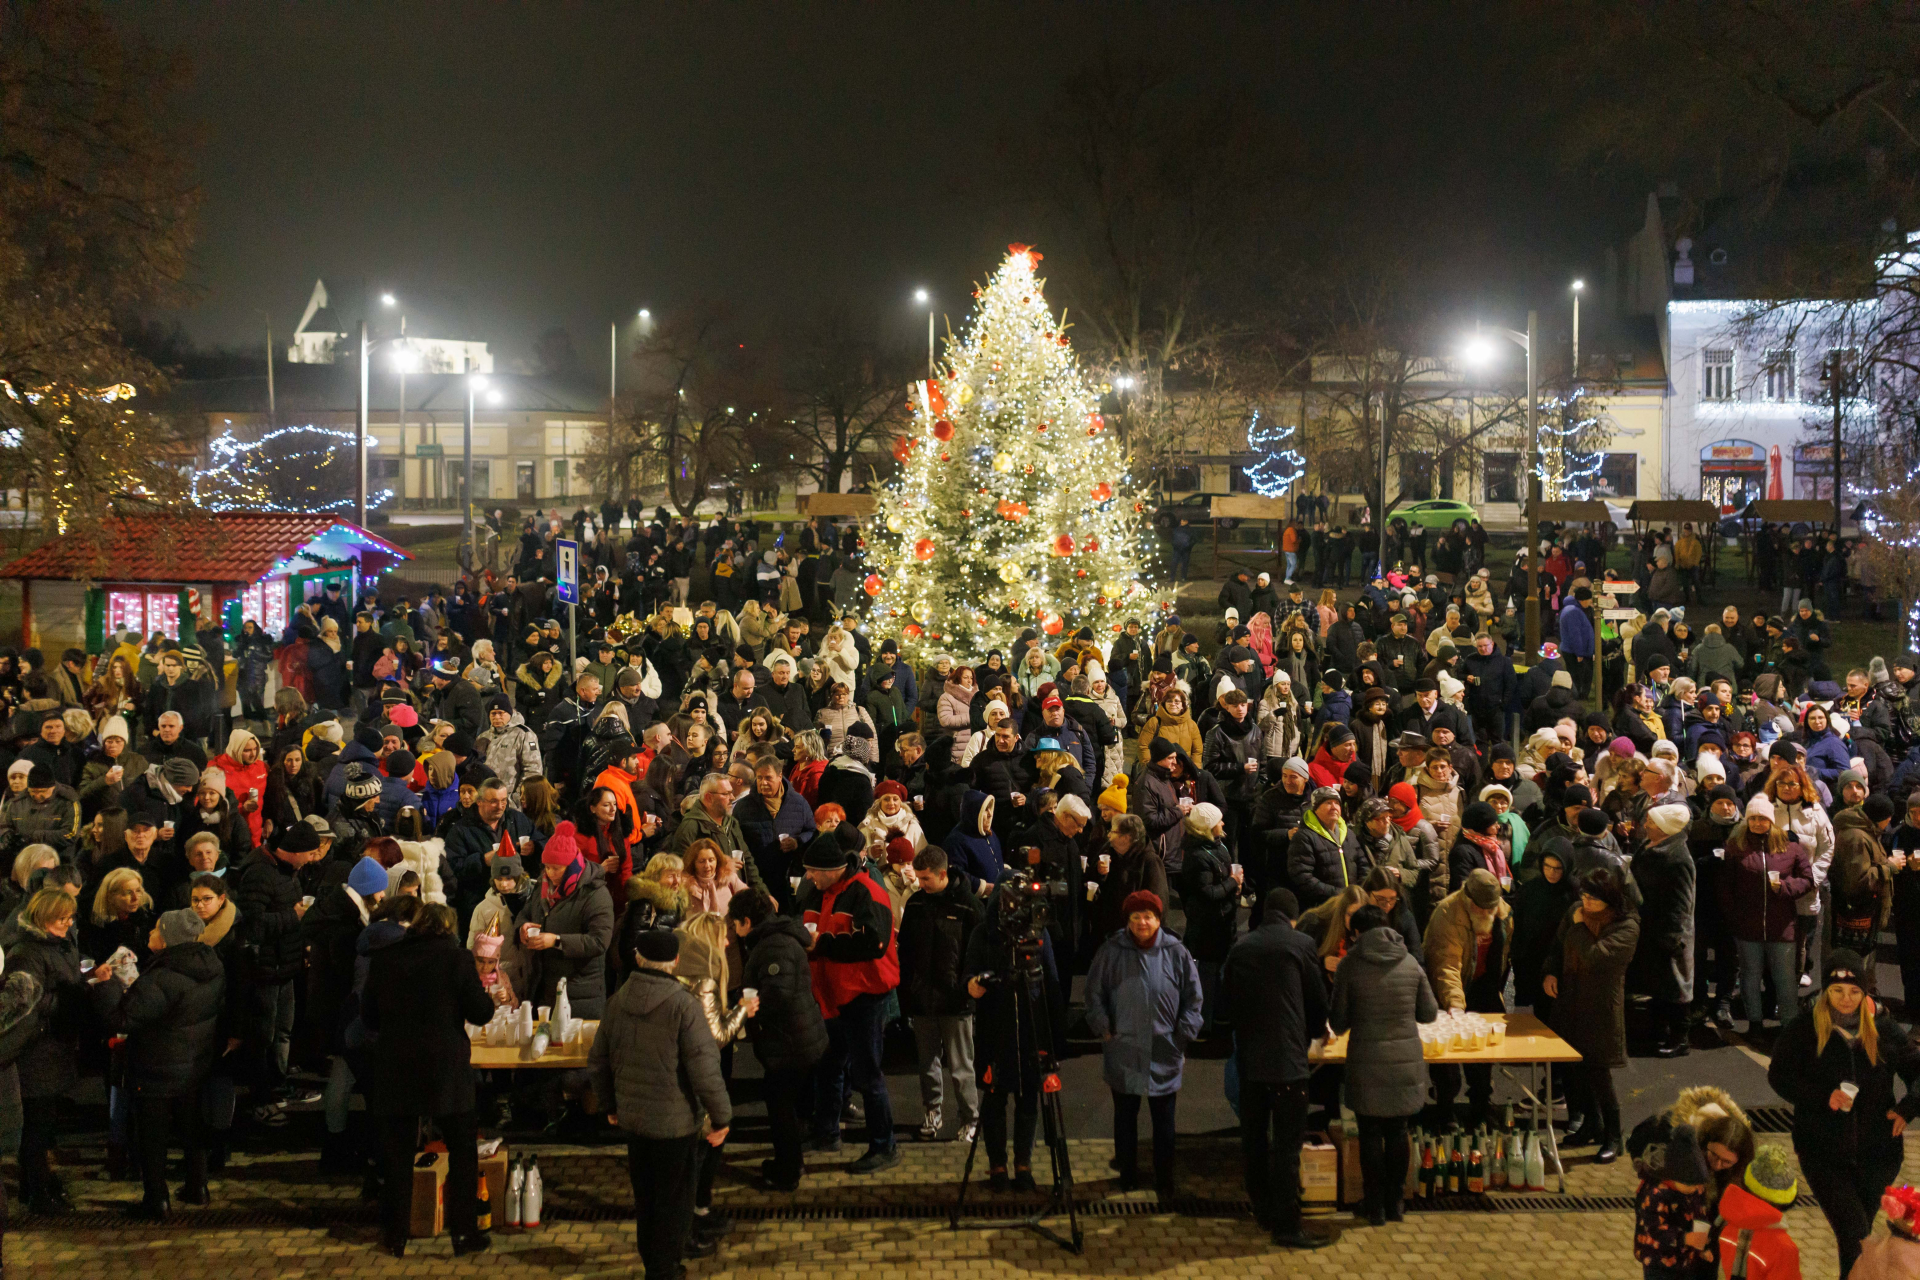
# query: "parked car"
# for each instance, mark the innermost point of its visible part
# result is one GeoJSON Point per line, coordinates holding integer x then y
{"type": "Point", "coordinates": [1435, 513]}
{"type": "Point", "coordinates": [1194, 508]}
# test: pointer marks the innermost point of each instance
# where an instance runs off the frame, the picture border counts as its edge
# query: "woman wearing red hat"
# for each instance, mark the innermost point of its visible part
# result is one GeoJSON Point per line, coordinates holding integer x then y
{"type": "Point", "coordinates": [1143, 1001]}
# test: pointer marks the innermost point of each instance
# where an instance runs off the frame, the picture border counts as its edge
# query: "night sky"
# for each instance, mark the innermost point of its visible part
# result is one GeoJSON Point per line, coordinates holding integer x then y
{"type": "Point", "coordinates": [505, 169]}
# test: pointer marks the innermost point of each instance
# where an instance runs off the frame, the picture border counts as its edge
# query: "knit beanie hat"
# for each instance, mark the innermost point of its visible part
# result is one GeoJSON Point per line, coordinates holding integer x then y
{"type": "Point", "coordinates": [824, 853]}
{"type": "Point", "coordinates": [1684, 1162]}
{"type": "Point", "coordinates": [367, 878]}
{"type": "Point", "coordinates": [1115, 796]}
{"type": "Point", "coordinates": [1482, 889]}
{"type": "Point", "coordinates": [1669, 819]}
{"type": "Point", "coordinates": [1846, 966]}
{"type": "Point", "coordinates": [561, 848]}
{"type": "Point", "coordinates": [1760, 806]}
{"type": "Point", "coordinates": [1579, 793]}
{"type": "Point", "coordinates": [1622, 747]}
{"type": "Point", "coordinates": [1160, 749]}
{"type": "Point", "coordinates": [1879, 808]}
{"type": "Point", "coordinates": [181, 926]}
{"type": "Point", "coordinates": [899, 851]}
{"type": "Point", "coordinates": [1561, 680]}
{"type": "Point", "coordinates": [1593, 822]}
{"type": "Point", "coordinates": [1143, 900]}
{"type": "Point", "coordinates": [1478, 817]}
{"type": "Point", "coordinates": [400, 764]}
{"type": "Point", "coordinates": [1204, 818]}
{"type": "Point", "coordinates": [181, 772]}
{"type": "Point", "coordinates": [1770, 1176]}
{"type": "Point", "coordinates": [362, 785]}
{"type": "Point", "coordinates": [1295, 764]}
{"type": "Point", "coordinates": [659, 946]}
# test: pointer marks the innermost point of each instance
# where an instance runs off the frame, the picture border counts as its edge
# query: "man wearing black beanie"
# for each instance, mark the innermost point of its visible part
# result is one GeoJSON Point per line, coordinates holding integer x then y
{"type": "Point", "coordinates": [1861, 876]}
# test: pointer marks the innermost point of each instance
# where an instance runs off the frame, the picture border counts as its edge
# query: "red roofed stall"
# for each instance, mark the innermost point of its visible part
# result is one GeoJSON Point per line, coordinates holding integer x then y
{"type": "Point", "coordinates": [75, 593]}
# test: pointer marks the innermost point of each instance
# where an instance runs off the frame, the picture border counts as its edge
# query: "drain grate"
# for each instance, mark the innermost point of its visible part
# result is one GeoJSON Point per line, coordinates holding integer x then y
{"type": "Point", "coordinates": [1770, 1119]}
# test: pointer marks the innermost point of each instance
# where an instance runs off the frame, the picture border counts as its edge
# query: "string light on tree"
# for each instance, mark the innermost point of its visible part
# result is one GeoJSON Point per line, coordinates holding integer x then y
{"type": "Point", "coordinates": [288, 469]}
{"type": "Point", "coordinates": [1572, 435]}
{"type": "Point", "coordinates": [1280, 466]}
{"type": "Point", "coordinates": [1013, 506]}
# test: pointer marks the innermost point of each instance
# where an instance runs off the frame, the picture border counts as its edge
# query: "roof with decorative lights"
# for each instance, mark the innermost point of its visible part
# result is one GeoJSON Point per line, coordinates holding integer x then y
{"type": "Point", "coordinates": [219, 547]}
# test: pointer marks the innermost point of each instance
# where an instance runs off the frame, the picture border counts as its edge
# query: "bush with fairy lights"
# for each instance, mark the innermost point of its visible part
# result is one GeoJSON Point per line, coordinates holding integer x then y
{"type": "Point", "coordinates": [1013, 506]}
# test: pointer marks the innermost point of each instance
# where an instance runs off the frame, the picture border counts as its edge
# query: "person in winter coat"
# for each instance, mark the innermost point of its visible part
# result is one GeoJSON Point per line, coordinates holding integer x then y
{"type": "Point", "coordinates": [1171, 722]}
{"type": "Point", "coordinates": [171, 1016]}
{"type": "Point", "coordinates": [1664, 961]}
{"type": "Point", "coordinates": [1478, 846]}
{"type": "Point", "coordinates": [935, 928]}
{"type": "Point", "coordinates": [1233, 748]}
{"type": "Point", "coordinates": [855, 963]}
{"type": "Point", "coordinates": [1764, 871]}
{"type": "Point", "coordinates": [331, 930]}
{"type": "Point", "coordinates": [244, 769]}
{"type": "Point", "coordinates": [1324, 855]}
{"type": "Point", "coordinates": [1273, 990]}
{"type": "Point", "coordinates": [1210, 889]}
{"type": "Point", "coordinates": [788, 1033]}
{"type": "Point", "coordinates": [509, 747]}
{"type": "Point", "coordinates": [1380, 996]}
{"type": "Point", "coordinates": [1126, 862]}
{"type": "Point", "coordinates": [425, 989]}
{"type": "Point", "coordinates": [1861, 876]}
{"type": "Point", "coordinates": [1539, 904]}
{"type": "Point", "coordinates": [1896, 1255]}
{"type": "Point", "coordinates": [973, 850]}
{"type": "Point", "coordinates": [567, 926]}
{"type": "Point", "coordinates": [1143, 1001]}
{"type": "Point", "coordinates": [1468, 948]}
{"type": "Point", "coordinates": [1836, 1063]}
{"type": "Point", "coordinates": [656, 1060]}
{"type": "Point", "coordinates": [1751, 1240]}
{"type": "Point", "coordinates": [45, 946]}
{"type": "Point", "coordinates": [1586, 975]}
{"type": "Point", "coordinates": [776, 823]}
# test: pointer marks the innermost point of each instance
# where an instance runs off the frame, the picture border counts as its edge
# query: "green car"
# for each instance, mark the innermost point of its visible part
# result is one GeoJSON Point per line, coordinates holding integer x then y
{"type": "Point", "coordinates": [1436, 513]}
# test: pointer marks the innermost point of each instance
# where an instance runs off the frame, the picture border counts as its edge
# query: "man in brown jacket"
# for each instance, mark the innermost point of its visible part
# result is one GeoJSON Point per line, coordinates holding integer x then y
{"type": "Point", "coordinates": [1469, 948]}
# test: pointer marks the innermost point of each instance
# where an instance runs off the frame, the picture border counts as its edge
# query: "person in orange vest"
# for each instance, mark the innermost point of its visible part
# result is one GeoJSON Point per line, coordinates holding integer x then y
{"type": "Point", "coordinates": [855, 963]}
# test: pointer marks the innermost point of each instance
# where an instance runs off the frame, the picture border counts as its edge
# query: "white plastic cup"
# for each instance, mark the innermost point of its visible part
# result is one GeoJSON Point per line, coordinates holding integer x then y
{"type": "Point", "coordinates": [1852, 1091]}
{"type": "Point", "coordinates": [1106, 863]}
{"type": "Point", "coordinates": [1720, 853]}
{"type": "Point", "coordinates": [1236, 869]}
{"type": "Point", "coordinates": [812, 927]}
{"type": "Point", "coordinates": [749, 993]}
{"type": "Point", "coordinates": [307, 901]}
{"type": "Point", "coordinates": [795, 882]}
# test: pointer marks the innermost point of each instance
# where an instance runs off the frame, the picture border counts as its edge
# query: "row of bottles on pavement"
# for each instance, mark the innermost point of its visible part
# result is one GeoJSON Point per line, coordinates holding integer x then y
{"type": "Point", "coordinates": [1460, 1163]}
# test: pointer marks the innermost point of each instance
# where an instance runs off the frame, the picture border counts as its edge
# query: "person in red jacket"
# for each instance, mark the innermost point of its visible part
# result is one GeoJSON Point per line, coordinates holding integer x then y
{"type": "Point", "coordinates": [855, 963]}
{"type": "Point", "coordinates": [1753, 1243]}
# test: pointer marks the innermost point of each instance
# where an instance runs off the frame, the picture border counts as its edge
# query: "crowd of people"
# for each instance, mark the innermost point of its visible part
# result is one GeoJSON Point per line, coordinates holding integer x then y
{"type": "Point", "coordinates": [745, 820]}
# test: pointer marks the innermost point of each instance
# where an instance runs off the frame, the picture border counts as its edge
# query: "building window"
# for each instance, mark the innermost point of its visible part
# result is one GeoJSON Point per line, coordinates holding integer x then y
{"type": "Point", "coordinates": [559, 477]}
{"type": "Point", "coordinates": [1717, 363]}
{"type": "Point", "coordinates": [383, 469]}
{"type": "Point", "coordinates": [1781, 384]}
{"type": "Point", "coordinates": [1619, 476]}
{"type": "Point", "coordinates": [1180, 477]}
{"type": "Point", "coordinates": [1238, 481]}
{"type": "Point", "coordinates": [523, 482]}
{"type": "Point", "coordinates": [1502, 477]}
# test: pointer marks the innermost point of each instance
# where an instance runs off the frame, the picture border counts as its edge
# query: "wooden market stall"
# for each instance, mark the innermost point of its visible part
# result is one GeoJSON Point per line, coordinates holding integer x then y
{"type": "Point", "coordinates": [1704, 516]}
{"type": "Point", "coordinates": [75, 593]}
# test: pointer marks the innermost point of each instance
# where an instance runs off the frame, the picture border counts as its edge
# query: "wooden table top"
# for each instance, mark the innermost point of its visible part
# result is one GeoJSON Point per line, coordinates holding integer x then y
{"type": "Point", "coordinates": [1528, 1040]}
{"type": "Point", "coordinates": [570, 1056]}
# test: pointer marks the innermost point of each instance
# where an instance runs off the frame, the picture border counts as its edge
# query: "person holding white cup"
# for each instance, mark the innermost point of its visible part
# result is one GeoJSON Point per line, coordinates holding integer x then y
{"type": "Point", "coordinates": [1210, 888]}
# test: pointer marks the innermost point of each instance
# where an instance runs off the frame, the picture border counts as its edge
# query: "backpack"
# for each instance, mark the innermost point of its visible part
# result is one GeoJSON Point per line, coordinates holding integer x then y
{"type": "Point", "coordinates": [22, 1015]}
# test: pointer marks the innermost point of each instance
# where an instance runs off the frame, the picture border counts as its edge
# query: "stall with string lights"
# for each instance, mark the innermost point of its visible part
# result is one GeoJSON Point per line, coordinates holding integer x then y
{"type": "Point", "coordinates": [229, 566]}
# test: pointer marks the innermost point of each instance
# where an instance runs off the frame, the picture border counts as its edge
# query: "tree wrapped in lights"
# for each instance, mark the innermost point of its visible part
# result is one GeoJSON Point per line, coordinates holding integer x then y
{"type": "Point", "coordinates": [303, 468]}
{"type": "Point", "coordinates": [1280, 466]}
{"type": "Point", "coordinates": [1013, 506]}
{"type": "Point", "coordinates": [1573, 437]}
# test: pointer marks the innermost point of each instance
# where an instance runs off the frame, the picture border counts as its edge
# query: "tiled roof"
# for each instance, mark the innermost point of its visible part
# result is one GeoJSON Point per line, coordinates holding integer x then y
{"type": "Point", "coordinates": [225, 547]}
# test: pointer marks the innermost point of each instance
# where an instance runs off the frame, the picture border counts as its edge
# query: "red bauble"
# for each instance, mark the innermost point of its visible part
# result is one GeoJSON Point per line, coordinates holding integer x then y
{"type": "Point", "coordinates": [1090, 546]}
{"type": "Point", "coordinates": [903, 448]}
{"type": "Point", "coordinates": [966, 513]}
{"type": "Point", "coordinates": [1063, 545]}
{"type": "Point", "coordinates": [923, 549]}
{"type": "Point", "coordinates": [1095, 422]}
{"type": "Point", "coordinates": [943, 430]}
{"type": "Point", "coordinates": [873, 584]}
{"type": "Point", "coordinates": [912, 631]}
{"type": "Point", "coordinates": [1102, 491]}
{"type": "Point", "coordinates": [1052, 623]}
{"type": "Point", "coordinates": [1042, 427]}
{"type": "Point", "coordinates": [937, 401]}
{"type": "Point", "coordinates": [1079, 573]}
{"type": "Point", "coordinates": [1063, 339]}
{"type": "Point", "coordinates": [1138, 507]}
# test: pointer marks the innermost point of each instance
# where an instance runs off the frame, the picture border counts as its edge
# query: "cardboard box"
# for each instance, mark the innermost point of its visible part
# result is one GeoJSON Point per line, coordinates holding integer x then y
{"type": "Point", "coordinates": [429, 1197]}
{"type": "Point", "coordinates": [493, 1172]}
{"type": "Point", "coordinates": [1319, 1171]}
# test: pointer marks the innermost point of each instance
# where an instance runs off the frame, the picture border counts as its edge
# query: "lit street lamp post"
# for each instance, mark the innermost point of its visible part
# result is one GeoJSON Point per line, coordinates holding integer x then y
{"type": "Point", "coordinates": [921, 296]}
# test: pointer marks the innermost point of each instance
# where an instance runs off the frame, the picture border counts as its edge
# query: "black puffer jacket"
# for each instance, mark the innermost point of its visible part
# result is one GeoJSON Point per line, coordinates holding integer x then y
{"type": "Point", "coordinates": [788, 1033]}
{"type": "Point", "coordinates": [47, 1066]}
{"type": "Point", "coordinates": [266, 891]}
{"type": "Point", "coordinates": [331, 929]}
{"type": "Point", "coordinates": [934, 928]}
{"type": "Point", "coordinates": [171, 1017]}
{"type": "Point", "coordinates": [427, 989]}
{"type": "Point", "coordinates": [1806, 1075]}
{"type": "Point", "coordinates": [1211, 898]}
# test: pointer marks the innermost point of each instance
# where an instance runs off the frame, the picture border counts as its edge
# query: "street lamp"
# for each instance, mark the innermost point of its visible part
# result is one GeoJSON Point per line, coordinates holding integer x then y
{"type": "Point", "coordinates": [1579, 286]}
{"type": "Point", "coordinates": [922, 297]}
{"type": "Point", "coordinates": [1479, 350]}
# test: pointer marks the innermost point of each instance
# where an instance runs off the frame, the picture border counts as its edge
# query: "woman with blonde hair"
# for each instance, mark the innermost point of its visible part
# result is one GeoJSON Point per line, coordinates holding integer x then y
{"type": "Point", "coordinates": [841, 656]}
{"type": "Point", "coordinates": [712, 877]}
{"type": "Point", "coordinates": [890, 816]}
{"type": "Point", "coordinates": [483, 671]}
{"type": "Point", "coordinates": [47, 1067]}
{"type": "Point", "coordinates": [121, 916]}
{"type": "Point", "coordinates": [1836, 1064]}
{"type": "Point", "coordinates": [25, 863]}
{"type": "Point", "coordinates": [1328, 610]}
{"type": "Point", "coordinates": [1796, 806]}
{"type": "Point", "coordinates": [704, 970]}
{"type": "Point", "coordinates": [760, 731]}
{"type": "Point", "coordinates": [1331, 924]}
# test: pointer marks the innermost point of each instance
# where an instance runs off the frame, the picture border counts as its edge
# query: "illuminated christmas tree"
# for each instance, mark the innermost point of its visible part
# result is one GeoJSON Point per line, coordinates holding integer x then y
{"type": "Point", "coordinates": [1013, 506]}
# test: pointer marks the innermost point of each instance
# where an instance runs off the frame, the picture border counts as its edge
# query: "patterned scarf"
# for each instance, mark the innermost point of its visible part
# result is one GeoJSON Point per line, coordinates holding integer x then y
{"type": "Point", "coordinates": [551, 893]}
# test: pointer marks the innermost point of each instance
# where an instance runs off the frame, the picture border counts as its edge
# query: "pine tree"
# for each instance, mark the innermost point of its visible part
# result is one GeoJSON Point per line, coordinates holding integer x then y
{"type": "Point", "coordinates": [1013, 506]}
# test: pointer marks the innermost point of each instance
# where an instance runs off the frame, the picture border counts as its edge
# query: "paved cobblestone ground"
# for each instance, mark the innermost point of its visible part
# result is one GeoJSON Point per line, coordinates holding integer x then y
{"type": "Point", "coordinates": [589, 1182]}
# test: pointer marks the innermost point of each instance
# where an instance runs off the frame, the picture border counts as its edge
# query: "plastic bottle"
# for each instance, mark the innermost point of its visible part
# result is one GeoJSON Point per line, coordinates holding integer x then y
{"type": "Point", "coordinates": [1418, 1145]}
{"type": "Point", "coordinates": [516, 1186]}
{"type": "Point", "coordinates": [533, 1196]}
{"type": "Point", "coordinates": [1536, 1163]}
{"type": "Point", "coordinates": [1516, 1162]}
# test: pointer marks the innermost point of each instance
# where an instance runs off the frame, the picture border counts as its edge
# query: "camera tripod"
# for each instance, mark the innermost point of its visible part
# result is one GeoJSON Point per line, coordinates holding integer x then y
{"type": "Point", "coordinates": [1033, 1029]}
